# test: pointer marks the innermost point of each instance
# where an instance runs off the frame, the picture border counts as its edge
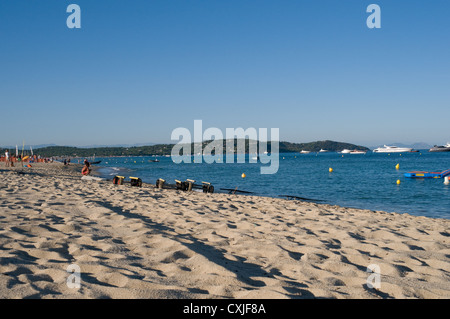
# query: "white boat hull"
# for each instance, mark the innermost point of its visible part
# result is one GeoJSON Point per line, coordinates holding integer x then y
{"type": "Point", "coordinates": [392, 149]}
{"type": "Point", "coordinates": [357, 152]}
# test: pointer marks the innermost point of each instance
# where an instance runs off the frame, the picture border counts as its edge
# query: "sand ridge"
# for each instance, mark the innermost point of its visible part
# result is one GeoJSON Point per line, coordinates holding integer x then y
{"type": "Point", "coordinates": [151, 243]}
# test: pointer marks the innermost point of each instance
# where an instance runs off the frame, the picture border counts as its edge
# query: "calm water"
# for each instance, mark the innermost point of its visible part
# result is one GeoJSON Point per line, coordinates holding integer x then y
{"type": "Point", "coordinates": [362, 181]}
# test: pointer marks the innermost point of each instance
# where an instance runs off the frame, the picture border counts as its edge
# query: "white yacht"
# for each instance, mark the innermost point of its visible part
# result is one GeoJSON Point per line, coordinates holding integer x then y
{"type": "Point", "coordinates": [392, 149]}
{"type": "Point", "coordinates": [304, 152]}
{"type": "Point", "coordinates": [345, 151]}
{"type": "Point", "coordinates": [322, 151]}
{"type": "Point", "coordinates": [444, 148]}
{"type": "Point", "coordinates": [357, 152]}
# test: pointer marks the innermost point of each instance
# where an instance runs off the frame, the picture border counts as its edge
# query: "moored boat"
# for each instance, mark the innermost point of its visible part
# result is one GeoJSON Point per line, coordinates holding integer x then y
{"type": "Point", "coordinates": [421, 174]}
{"type": "Point", "coordinates": [442, 148]}
{"type": "Point", "coordinates": [392, 149]}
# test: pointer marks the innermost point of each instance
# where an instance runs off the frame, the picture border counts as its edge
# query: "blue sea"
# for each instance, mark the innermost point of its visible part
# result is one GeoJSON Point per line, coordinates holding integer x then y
{"type": "Point", "coordinates": [361, 181]}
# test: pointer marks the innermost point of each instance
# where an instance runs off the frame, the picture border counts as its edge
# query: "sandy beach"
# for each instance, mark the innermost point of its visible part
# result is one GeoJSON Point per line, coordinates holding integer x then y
{"type": "Point", "coordinates": [131, 242]}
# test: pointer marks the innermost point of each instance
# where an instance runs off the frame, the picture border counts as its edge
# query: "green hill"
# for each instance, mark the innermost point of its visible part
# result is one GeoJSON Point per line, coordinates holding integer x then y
{"type": "Point", "coordinates": [317, 146]}
{"type": "Point", "coordinates": [165, 149]}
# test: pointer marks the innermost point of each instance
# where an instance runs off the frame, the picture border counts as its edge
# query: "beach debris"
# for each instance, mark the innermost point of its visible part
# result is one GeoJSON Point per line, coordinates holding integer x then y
{"type": "Point", "coordinates": [118, 180]}
{"type": "Point", "coordinates": [186, 186]}
{"type": "Point", "coordinates": [181, 185]}
{"type": "Point", "coordinates": [160, 183]}
{"type": "Point", "coordinates": [207, 187]}
{"type": "Point", "coordinates": [135, 181]}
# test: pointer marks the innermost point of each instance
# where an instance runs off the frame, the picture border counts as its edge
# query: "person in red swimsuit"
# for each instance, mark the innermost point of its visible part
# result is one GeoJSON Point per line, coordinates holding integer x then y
{"type": "Point", "coordinates": [86, 170]}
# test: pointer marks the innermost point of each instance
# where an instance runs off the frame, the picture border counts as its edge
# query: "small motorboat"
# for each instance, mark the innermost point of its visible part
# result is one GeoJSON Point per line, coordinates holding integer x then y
{"type": "Point", "coordinates": [304, 152]}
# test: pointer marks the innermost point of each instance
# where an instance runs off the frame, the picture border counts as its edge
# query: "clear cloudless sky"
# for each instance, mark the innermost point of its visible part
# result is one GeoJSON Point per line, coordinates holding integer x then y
{"type": "Point", "coordinates": [136, 70]}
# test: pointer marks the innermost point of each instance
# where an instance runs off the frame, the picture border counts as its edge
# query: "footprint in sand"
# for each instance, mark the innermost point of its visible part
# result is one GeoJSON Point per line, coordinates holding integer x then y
{"type": "Point", "coordinates": [180, 254]}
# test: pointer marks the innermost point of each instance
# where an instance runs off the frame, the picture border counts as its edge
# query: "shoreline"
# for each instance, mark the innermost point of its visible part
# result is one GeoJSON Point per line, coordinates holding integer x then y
{"type": "Point", "coordinates": [152, 243]}
{"type": "Point", "coordinates": [122, 170]}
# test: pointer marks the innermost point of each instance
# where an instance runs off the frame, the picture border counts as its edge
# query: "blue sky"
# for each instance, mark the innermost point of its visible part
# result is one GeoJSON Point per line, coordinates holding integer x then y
{"type": "Point", "coordinates": [136, 70]}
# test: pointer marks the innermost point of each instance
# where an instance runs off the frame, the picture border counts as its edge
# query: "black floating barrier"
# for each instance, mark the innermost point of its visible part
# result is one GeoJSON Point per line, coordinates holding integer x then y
{"type": "Point", "coordinates": [301, 198]}
{"type": "Point", "coordinates": [235, 190]}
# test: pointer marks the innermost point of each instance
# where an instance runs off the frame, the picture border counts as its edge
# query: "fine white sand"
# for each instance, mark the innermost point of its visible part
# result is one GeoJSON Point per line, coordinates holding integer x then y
{"type": "Point", "coordinates": [150, 243]}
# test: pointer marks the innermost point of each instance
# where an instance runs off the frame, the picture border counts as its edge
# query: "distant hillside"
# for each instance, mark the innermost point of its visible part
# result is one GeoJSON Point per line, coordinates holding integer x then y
{"type": "Point", "coordinates": [161, 149]}
{"type": "Point", "coordinates": [27, 147]}
{"type": "Point", "coordinates": [165, 149]}
{"type": "Point", "coordinates": [317, 146]}
{"type": "Point", "coordinates": [117, 145]}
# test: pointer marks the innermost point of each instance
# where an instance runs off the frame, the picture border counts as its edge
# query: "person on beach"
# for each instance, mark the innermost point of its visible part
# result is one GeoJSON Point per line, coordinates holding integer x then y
{"type": "Point", "coordinates": [86, 168]}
